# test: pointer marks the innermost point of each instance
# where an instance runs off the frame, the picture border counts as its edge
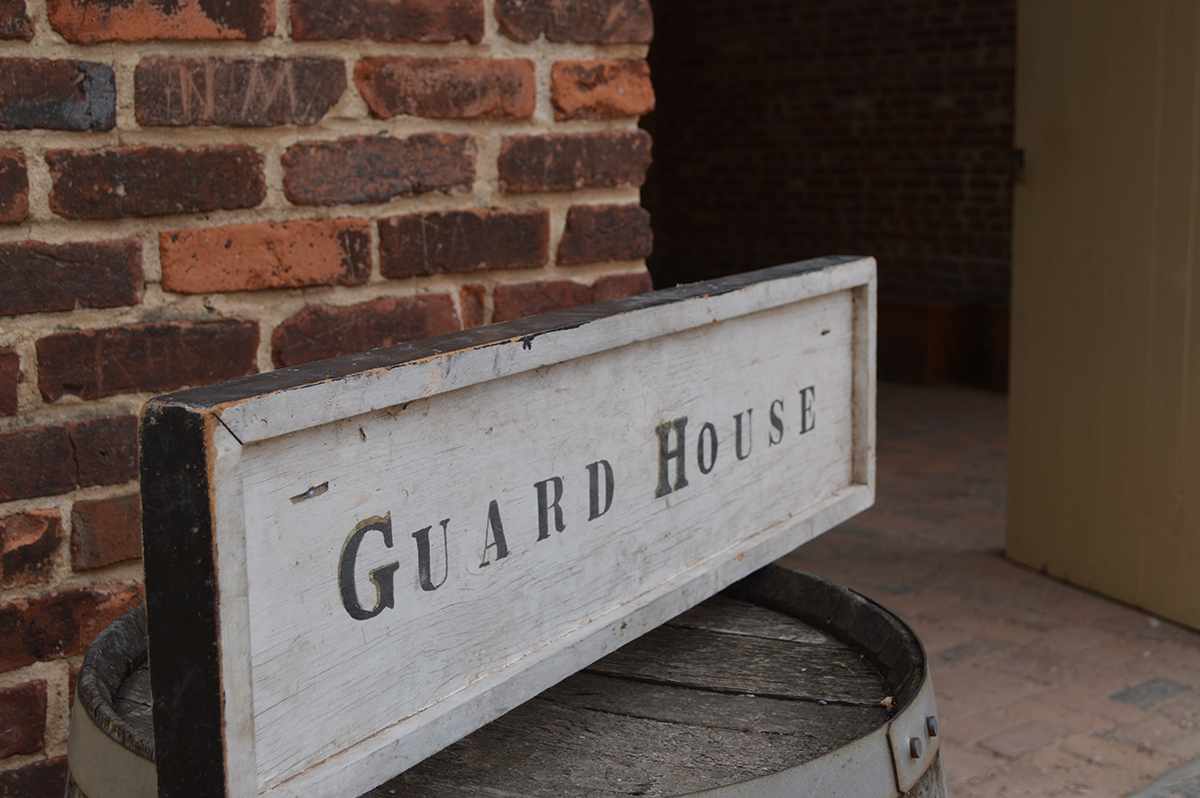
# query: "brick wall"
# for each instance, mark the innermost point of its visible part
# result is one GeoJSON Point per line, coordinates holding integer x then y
{"type": "Point", "coordinates": [787, 130]}
{"type": "Point", "coordinates": [194, 191]}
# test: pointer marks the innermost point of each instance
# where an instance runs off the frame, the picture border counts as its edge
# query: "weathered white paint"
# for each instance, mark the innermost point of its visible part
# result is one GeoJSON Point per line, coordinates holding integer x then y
{"type": "Point", "coordinates": [320, 704]}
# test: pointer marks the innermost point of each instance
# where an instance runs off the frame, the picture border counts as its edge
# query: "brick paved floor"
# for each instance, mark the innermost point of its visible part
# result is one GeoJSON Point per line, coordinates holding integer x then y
{"type": "Point", "coordinates": [1043, 689]}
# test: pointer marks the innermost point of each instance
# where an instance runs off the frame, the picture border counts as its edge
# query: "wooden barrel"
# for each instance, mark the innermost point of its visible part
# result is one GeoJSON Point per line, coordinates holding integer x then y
{"type": "Point", "coordinates": [784, 684]}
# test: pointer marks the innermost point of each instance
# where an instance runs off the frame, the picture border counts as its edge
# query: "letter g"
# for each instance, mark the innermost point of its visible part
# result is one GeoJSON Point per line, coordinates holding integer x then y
{"type": "Point", "coordinates": [382, 577]}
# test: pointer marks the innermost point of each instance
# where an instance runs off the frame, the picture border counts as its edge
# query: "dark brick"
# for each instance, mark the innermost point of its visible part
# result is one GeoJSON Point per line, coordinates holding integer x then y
{"type": "Point", "coordinates": [46, 779]}
{"type": "Point", "coordinates": [106, 531]}
{"type": "Point", "coordinates": [151, 181]}
{"type": "Point", "coordinates": [106, 450]}
{"type": "Point", "coordinates": [597, 233]}
{"type": "Point", "coordinates": [145, 358]}
{"type": "Point", "coordinates": [10, 377]}
{"type": "Point", "coordinates": [251, 257]}
{"type": "Point", "coordinates": [22, 719]}
{"type": "Point", "coordinates": [46, 461]}
{"type": "Point", "coordinates": [393, 21]}
{"type": "Point", "coordinates": [447, 88]}
{"type": "Point", "coordinates": [565, 162]}
{"type": "Point", "coordinates": [363, 169]}
{"type": "Point", "coordinates": [518, 300]}
{"type": "Point", "coordinates": [91, 21]}
{"type": "Point", "coordinates": [61, 624]}
{"type": "Point", "coordinates": [615, 286]}
{"type": "Point", "coordinates": [320, 331]}
{"type": "Point", "coordinates": [604, 89]}
{"type": "Point", "coordinates": [28, 543]}
{"type": "Point", "coordinates": [463, 241]}
{"type": "Point", "coordinates": [248, 92]}
{"type": "Point", "coordinates": [41, 277]}
{"type": "Point", "coordinates": [471, 297]}
{"type": "Point", "coordinates": [14, 22]}
{"type": "Point", "coordinates": [35, 462]}
{"type": "Point", "coordinates": [583, 21]}
{"type": "Point", "coordinates": [58, 95]}
{"type": "Point", "coordinates": [14, 187]}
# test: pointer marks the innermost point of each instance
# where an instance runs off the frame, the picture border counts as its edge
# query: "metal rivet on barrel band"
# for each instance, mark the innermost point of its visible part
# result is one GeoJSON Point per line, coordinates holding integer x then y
{"type": "Point", "coordinates": [914, 747]}
{"type": "Point", "coordinates": [931, 725]}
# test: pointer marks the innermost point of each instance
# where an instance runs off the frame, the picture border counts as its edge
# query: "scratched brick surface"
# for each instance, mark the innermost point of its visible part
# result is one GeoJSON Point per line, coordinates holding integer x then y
{"type": "Point", "coordinates": [447, 88]}
{"type": "Point", "coordinates": [248, 92]}
{"type": "Point", "coordinates": [588, 21]}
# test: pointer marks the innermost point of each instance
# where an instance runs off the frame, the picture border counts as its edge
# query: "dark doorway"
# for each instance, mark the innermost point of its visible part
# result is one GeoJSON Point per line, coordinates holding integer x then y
{"type": "Point", "coordinates": [789, 129]}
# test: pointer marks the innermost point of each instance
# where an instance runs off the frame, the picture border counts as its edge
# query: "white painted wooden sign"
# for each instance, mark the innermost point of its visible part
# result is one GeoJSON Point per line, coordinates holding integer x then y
{"type": "Point", "coordinates": [354, 563]}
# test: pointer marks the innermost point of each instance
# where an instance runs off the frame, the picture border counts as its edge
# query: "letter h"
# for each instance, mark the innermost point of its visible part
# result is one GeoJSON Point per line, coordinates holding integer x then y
{"type": "Point", "coordinates": [666, 454]}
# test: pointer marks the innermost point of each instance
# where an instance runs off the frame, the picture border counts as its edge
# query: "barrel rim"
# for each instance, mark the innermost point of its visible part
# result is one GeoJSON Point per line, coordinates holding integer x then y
{"type": "Point", "coordinates": [852, 618]}
{"type": "Point", "coordinates": [118, 651]}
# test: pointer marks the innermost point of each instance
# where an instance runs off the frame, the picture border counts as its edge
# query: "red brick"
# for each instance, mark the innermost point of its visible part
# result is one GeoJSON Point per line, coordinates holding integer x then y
{"type": "Point", "coordinates": [14, 22]}
{"type": "Point", "coordinates": [447, 88]}
{"type": "Point", "coordinates": [58, 95]}
{"type": "Point", "coordinates": [615, 286]}
{"type": "Point", "coordinates": [106, 531]}
{"type": "Point", "coordinates": [45, 779]}
{"type": "Point", "coordinates": [566, 162]}
{"type": "Point", "coordinates": [91, 21]}
{"type": "Point", "coordinates": [597, 233]}
{"type": "Point", "coordinates": [22, 718]}
{"type": "Point", "coordinates": [392, 21]}
{"type": "Point", "coordinates": [600, 89]}
{"type": "Point", "coordinates": [463, 241]}
{"type": "Point", "coordinates": [10, 377]}
{"type": "Point", "coordinates": [14, 187]}
{"type": "Point", "coordinates": [145, 358]}
{"type": "Point", "coordinates": [252, 257]}
{"type": "Point", "coordinates": [152, 181]}
{"type": "Point", "coordinates": [471, 298]}
{"type": "Point", "coordinates": [61, 624]}
{"type": "Point", "coordinates": [517, 300]}
{"type": "Point", "coordinates": [35, 462]}
{"type": "Point", "coordinates": [105, 450]}
{"type": "Point", "coordinates": [40, 277]}
{"type": "Point", "coordinates": [248, 92]}
{"type": "Point", "coordinates": [28, 543]}
{"type": "Point", "coordinates": [362, 169]}
{"type": "Point", "coordinates": [583, 21]}
{"type": "Point", "coordinates": [321, 331]}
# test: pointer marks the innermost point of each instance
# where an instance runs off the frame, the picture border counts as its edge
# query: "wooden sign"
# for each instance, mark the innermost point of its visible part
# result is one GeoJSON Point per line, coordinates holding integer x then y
{"type": "Point", "coordinates": [352, 564]}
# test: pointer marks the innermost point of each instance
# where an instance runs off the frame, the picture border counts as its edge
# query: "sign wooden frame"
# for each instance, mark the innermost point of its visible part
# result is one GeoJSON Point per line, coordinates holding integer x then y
{"type": "Point", "coordinates": [610, 439]}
